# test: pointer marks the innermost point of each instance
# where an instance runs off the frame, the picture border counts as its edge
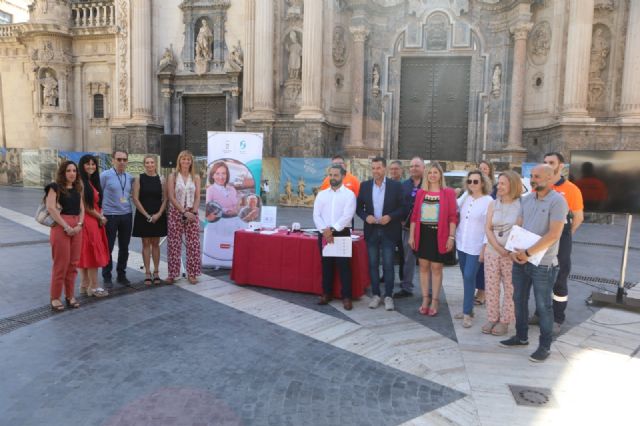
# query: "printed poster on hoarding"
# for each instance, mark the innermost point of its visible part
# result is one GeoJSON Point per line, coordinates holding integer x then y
{"type": "Point", "coordinates": [232, 199]}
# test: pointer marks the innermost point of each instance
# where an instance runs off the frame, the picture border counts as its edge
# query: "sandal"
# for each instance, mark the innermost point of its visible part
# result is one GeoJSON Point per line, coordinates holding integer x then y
{"type": "Point", "coordinates": [478, 299]}
{"type": "Point", "coordinates": [170, 280]}
{"type": "Point", "coordinates": [433, 311]}
{"type": "Point", "coordinates": [488, 327]}
{"type": "Point", "coordinates": [97, 292]}
{"type": "Point", "coordinates": [424, 310]}
{"type": "Point", "coordinates": [57, 306]}
{"type": "Point", "coordinates": [72, 303]}
{"type": "Point", "coordinates": [193, 280]}
{"type": "Point", "coordinates": [500, 329]}
{"type": "Point", "coordinates": [156, 279]}
{"type": "Point", "coordinates": [147, 279]}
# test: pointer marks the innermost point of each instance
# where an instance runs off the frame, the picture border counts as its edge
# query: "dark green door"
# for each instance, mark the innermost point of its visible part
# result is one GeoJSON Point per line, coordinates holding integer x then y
{"type": "Point", "coordinates": [434, 108]}
{"type": "Point", "coordinates": [202, 114]}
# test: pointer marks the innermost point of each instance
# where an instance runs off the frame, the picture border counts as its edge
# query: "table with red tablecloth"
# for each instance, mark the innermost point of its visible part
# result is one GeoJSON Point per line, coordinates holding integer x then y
{"type": "Point", "coordinates": [291, 262]}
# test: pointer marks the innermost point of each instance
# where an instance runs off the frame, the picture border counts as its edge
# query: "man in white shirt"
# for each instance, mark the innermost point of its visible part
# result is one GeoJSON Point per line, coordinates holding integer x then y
{"type": "Point", "coordinates": [333, 211]}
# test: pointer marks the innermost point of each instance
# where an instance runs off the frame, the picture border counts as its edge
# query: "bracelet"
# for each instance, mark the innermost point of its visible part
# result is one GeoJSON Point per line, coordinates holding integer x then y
{"type": "Point", "coordinates": [79, 224]}
{"type": "Point", "coordinates": [452, 238]}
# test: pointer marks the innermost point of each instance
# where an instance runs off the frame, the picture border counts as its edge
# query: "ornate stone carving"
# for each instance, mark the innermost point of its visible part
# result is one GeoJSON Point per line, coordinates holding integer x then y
{"type": "Point", "coordinates": [167, 62]}
{"type": "Point", "coordinates": [235, 60]}
{"type": "Point", "coordinates": [339, 79]}
{"type": "Point", "coordinates": [600, 48]}
{"type": "Point", "coordinates": [540, 43]}
{"type": "Point", "coordinates": [520, 30]}
{"type": "Point", "coordinates": [437, 32]}
{"type": "Point", "coordinates": [359, 34]}
{"type": "Point", "coordinates": [294, 11]}
{"type": "Point", "coordinates": [608, 5]}
{"type": "Point", "coordinates": [43, 6]}
{"type": "Point", "coordinates": [496, 81]}
{"type": "Point", "coordinates": [203, 41]}
{"type": "Point", "coordinates": [46, 54]}
{"type": "Point", "coordinates": [123, 81]}
{"type": "Point", "coordinates": [49, 90]}
{"type": "Point", "coordinates": [295, 56]}
{"type": "Point", "coordinates": [375, 80]}
{"type": "Point", "coordinates": [339, 47]}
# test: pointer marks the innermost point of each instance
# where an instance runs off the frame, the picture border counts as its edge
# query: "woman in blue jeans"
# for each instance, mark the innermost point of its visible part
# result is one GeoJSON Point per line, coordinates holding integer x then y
{"type": "Point", "coordinates": [470, 237]}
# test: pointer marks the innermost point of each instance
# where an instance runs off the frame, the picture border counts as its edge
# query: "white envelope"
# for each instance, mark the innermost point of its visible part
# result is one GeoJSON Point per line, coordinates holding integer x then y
{"type": "Point", "coordinates": [341, 247]}
{"type": "Point", "coordinates": [521, 239]}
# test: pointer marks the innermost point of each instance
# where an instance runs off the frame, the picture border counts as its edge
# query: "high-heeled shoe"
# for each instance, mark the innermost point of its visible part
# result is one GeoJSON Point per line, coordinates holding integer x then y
{"type": "Point", "coordinates": [57, 306]}
{"type": "Point", "coordinates": [423, 310]}
{"type": "Point", "coordinates": [72, 303]}
{"type": "Point", "coordinates": [156, 279]}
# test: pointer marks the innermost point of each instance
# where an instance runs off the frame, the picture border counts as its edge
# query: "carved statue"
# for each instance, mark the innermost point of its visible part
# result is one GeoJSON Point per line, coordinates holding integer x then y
{"type": "Point", "coordinates": [167, 60]}
{"type": "Point", "coordinates": [375, 77]}
{"type": "Point", "coordinates": [599, 54]}
{"type": "Point", "coordinates": [49, 90]}
{"type": "Point", "coordinates": [301, 186]}
{"type": "Point", "coordinates": [203, 41]}
{"type": "Point", "coordinates": [496, 79]}
{"type": "Point", "coordinates": [236, 58]}
{"type": "Point", "coordinates": [44, 6]}
{"type": "Point", "coordinates": [541, 41]}
{"type": "Point", "coordinates": [288, 190]}
{"type": "Point", "coordinates": [295, 56]}
{"type": "Point", "coordinates": [295, 8]}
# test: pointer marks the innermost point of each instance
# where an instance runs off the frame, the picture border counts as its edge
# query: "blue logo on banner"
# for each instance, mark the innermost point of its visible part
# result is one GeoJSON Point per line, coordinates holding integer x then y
{"type": "Point", "coordinates": [243, 144]}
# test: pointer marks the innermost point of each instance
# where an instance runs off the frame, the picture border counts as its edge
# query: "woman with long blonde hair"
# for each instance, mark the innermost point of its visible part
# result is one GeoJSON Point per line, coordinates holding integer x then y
{"type": "Point", "coordinates": [432, 233]}
{"type": "Point", "coordinates": [183, 192]}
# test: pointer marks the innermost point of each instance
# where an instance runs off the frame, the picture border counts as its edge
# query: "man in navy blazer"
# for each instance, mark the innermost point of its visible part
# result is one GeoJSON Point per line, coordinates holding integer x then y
{"type": "Point", "coordinates": [381, 206]}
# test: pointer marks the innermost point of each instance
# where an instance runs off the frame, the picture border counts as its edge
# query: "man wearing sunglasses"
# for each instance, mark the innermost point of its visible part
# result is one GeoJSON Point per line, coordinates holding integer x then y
{"type": "Point", "coordinates": [116, 207]}
{"type": "Point", "coordinates": [410, 188]}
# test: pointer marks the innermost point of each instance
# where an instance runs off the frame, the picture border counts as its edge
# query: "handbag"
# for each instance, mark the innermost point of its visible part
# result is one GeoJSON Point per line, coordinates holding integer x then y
{"type": "Point", "coordinates": [43, 216]}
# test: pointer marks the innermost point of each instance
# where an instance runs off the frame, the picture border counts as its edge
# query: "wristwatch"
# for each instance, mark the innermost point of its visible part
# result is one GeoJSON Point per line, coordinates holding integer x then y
{"type": "Point", "coordinates": [79, 223]}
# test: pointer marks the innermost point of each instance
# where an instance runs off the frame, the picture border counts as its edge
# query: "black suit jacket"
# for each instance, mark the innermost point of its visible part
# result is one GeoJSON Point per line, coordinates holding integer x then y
{"type": "Point", "coordinates": [394, 206]}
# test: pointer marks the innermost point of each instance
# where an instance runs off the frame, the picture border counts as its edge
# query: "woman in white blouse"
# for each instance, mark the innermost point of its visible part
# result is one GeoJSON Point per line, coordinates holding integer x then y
{"type": "Point", "coordinates": [183, 190]}
{"type": "Point", "coordinates": [470, 237]}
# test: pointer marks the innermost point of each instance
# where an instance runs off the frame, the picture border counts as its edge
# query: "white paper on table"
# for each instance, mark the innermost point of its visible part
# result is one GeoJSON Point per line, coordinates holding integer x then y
{"type": "Point", "coordinates": [341, 247]}
{"type": "Point", "coordinates": [268, 232]}
{"type": "Point", "coordinates": [268, 216]}
{"type": "Point", "coordinates": [521, 239]}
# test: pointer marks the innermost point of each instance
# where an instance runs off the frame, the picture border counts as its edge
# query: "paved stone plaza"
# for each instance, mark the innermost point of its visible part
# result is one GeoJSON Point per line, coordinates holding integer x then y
{"type": "Point", "coordinates": [217, 353]}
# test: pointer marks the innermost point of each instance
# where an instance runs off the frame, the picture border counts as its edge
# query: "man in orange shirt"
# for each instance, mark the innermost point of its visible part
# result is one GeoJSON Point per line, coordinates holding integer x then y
{"type": "Point", "coordinates": [573, 197]}
{"type": "Point", "coordinates": [350, 181]}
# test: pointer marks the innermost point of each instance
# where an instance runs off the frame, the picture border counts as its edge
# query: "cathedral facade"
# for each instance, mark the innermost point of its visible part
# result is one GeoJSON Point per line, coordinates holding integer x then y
{"type": "Point", "coordinates": [445, 79]}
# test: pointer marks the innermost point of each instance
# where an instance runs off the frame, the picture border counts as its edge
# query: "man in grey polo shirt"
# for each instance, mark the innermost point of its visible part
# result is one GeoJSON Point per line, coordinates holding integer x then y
{"type": "Point", "coordinates": [544, 212]}
{"type": "Point", "coordinates": [116, 207]}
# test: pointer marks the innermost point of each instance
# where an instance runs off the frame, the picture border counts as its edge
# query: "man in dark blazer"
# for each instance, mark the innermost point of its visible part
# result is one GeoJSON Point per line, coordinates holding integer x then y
{"type": "Point", "coordinates": [381, 206]}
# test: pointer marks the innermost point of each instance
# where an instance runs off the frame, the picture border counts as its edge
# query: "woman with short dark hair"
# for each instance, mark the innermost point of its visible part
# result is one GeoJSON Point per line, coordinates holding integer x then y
{"type": "Point", "coordinates": [66, 234]}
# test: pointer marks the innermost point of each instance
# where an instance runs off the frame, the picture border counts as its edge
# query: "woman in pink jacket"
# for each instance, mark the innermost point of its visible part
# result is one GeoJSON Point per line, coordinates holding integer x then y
{"type": "Point", "coordinates": [432, 233]}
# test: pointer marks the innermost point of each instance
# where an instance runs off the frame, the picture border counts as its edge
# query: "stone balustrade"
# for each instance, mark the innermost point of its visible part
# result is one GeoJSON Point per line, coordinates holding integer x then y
{"type": "Point", "coordinates": [10, 30]}
{"type": "Point", "coordinates": [93, 14]}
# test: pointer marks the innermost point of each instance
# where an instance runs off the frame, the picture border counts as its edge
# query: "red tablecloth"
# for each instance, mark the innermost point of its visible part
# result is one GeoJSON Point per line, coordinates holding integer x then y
{"type": "Point", "coordinates": [291, 262]}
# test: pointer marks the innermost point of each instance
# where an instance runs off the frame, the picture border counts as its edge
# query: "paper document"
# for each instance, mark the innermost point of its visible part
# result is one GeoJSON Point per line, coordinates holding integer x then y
{"type": "Point", "coordinates": [341, 247]}
{"type": "Point", "coordinates": [268, 217]}
{"type": "Point", "coordinates": [521, 239]}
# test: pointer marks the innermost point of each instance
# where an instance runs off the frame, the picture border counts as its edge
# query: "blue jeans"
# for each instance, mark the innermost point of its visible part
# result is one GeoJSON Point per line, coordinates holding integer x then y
{"type": "Point", "coordinates": [541, 278]}
{"type": "Point", "coordinates": [469, 265]}
{"type": "Point", "coordinates": [376, 241]}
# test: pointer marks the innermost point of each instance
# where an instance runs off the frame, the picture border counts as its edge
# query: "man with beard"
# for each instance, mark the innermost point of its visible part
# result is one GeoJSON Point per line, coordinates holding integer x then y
{"type": "Point", "coordinates": [333, 211]}
{"type": "Point", "coordinates": [573, 197]}
{"type": "Point", "coordinates": [544, 213]}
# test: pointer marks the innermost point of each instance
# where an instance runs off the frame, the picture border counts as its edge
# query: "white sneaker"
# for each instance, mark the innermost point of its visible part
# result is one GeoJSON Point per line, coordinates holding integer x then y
{"type": "Point", "coordinates": [388, 304]}
{"type": "Point", "coordinates": [375, 302]}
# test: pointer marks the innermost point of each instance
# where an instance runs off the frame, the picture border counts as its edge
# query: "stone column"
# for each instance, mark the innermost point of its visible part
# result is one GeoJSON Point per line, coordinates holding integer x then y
{"type": "Point", "coordinates": [235, 93]}
{"type": "Point", "coordinates": [247, 68]}
{"type": "Point", "coordinates": [311, 107]}
{"type": "Point", "coordinates": [166, 104]}
{"type": "Point", "coordinates": [520, 32]}
{"type": "Point", "coordinates": [263, 55]}
{"type": "Point", "coordinates": [141, 70]}
{"type": "Point", "coordinates": [359, 34]}
{"type": "Point", "coordinates": [578, 56]}
{"type": "Point", "coordinates": [630, 100]}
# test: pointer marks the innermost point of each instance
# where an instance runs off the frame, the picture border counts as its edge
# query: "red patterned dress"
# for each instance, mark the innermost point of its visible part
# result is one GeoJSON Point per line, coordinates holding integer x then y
{"type": "Point", "coordinates": [95, 247]}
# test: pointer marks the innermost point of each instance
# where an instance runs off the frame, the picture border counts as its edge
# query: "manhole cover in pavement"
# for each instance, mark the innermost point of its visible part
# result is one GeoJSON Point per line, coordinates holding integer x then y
{"type": "Point", "coordinates": [532, 397]}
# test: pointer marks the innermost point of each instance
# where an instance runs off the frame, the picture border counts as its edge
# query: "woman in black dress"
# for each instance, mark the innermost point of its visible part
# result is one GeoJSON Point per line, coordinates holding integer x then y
{"type": "Point", "coordinates": [150, 222]}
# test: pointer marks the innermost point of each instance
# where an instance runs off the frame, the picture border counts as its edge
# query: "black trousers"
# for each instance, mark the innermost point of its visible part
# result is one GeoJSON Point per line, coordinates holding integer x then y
{"type": "Point", "coordinates": [561, 288]}
{"type": "Point", "coordinates": [342, 263]}
{"type": "Point", "coordinates": [120, 226]}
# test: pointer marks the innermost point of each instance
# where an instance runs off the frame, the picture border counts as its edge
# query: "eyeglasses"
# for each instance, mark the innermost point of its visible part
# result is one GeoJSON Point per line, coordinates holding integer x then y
{"type": "Point", "coordinates": [122, 159]}
{"type": "Point", "coordinates": [473, 181]}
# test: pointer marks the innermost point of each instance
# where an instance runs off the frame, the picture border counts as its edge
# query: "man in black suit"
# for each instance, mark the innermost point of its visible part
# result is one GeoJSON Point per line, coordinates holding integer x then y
{"type": "Point", "coordinates": [381, 206]}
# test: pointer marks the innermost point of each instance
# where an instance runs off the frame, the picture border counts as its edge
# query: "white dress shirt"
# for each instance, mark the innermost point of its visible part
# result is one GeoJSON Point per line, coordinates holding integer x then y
{"type": "Point", "coordinates": [470, 233]}
{"type": "Point", "coordinates": [334, 209]}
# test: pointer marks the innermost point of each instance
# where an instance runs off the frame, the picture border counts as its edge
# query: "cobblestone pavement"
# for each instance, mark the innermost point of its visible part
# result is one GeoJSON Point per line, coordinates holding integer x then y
{"type": "Point", "coordinates": [217, 353]}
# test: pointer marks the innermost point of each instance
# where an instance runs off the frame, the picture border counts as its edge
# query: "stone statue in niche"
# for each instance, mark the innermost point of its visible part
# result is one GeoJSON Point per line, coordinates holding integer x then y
{"type": "Point", "coordinates": [339, 47]}
{"type": "Point", "coordinates": [295, 56]}
{"type": "Point", "coordinates": [44, 6]}
{"type": "Point", "coordinates": [496, 80]}
{"type": "Point", "coordinates": [599, 54]}
{"type": "Point", "coordinates": [203, 41]}
{"type": "Point", "coordinates": [437, 33]}
{"type": "Point", "coordinates": [235, 60]}
{"type": "Point", "coordinates": [49, 90]}
{"type": "Point", "coordinates": [167, 62]}
{"type": "Point", "coordinates": [375, 80]}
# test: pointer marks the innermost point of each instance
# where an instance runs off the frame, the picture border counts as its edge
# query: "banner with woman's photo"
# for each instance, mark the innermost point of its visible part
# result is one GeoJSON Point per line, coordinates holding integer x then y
{"type": "Point", "coordinates": [233, 179]}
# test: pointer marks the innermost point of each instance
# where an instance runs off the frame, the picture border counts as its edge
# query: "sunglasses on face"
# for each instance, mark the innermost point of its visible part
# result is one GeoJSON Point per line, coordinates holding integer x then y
{"type": "Point", "coordinates": [122, 159]}
{"type": "Point", "coordinates": [473, 181]}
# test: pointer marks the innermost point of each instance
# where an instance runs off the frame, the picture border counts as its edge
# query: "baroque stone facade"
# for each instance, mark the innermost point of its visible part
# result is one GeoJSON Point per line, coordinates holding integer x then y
{"type": "Point", "coordinates": [446, 79]}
